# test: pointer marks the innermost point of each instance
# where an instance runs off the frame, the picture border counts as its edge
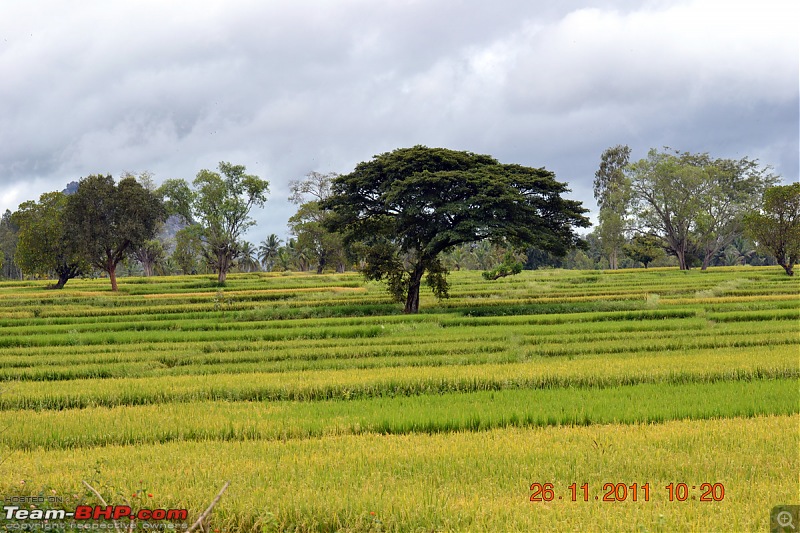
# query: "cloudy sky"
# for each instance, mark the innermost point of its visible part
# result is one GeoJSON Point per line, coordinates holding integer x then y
{"type": "Point", "coordinates": [287, 87]}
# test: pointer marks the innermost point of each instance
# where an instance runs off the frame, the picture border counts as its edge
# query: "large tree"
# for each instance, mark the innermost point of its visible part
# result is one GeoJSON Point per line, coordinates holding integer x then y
{"type": "Point", "coordinates": [406, 207]}
{"type": "Point", "coordinates": [321, 245]}
{"type": "Point", "coordinates": [693, 202]}
{"type": "Point", "coordinates": [612, 192]}
{"type": "Point", "coordinates": [222, 206]}
{"type": "Point", "coordinates": [666, 197]}
{"type": "Point", "coordinates": [42, 248]}
{"type": "Point", "coordinates": [776, 229]}
{"type": "Point", "coordinates": [8, 246]}
{"type": "Point", "coordinates": [105, 221]}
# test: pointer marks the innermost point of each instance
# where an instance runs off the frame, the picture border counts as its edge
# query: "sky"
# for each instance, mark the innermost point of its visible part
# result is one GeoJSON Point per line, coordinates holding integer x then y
{"type": "Point", "coordinates": [289, 87]}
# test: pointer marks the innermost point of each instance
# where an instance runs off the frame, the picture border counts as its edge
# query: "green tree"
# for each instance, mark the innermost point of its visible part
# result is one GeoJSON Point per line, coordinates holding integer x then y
{"type": "Point", "coordinates": [666, 197]}
{"type": "Point", "coordinates": [321, 245]}
{"type": "Point", "coordinates": [739, 252]}
{"type": "Point", "coordinates": [177, 197]}
{"type": "Point", "coordinates": [695, 203]}
{"type": "Point", "coordinates": [222, 206]}
{"type": "Point", "coordinates": [734, 188]}
{"type": "Point", "coordinates": [408, 206]}
{"type": "Point", "coordinates": [42, 248]}
{"type": "Point", "coordinates": [167, 267]}
{"type": "Point", "coordinates": [248, 262]}
{"type": "Point", "coordinates": [462, 256]}
{"type": "Point", "coordinates": [188, 249]}
{"type": "Point", "coordinates": [150, 254]}
{"type": "Point", "coordinates": [284, 259]}
{"type": "Point", "coordinates": [776, 228]}
{"type": "Point", "coordinates": [298, 257]}
{"type": "Point", "coordinates": [105, 221]}
{"type": "Point", "coordinates": [612, 192]}
{"type": "Point", "coordinates": [510, 266]}
{"type": "Point", "coordinates": [644, 249]}
{"type": "Point", "coordinates": [268, 251]}
{"type": "Point", "coordinates": [8, 246]}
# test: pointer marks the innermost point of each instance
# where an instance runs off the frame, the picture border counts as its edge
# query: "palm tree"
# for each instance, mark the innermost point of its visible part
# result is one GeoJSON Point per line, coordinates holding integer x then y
{"type": "Point", "coordinates": [738, 252]}
{"type": "Point", "coordinates": [167, 267]}
{"type": "Point", "coordinates": [268, 251]}
{"type": "Point", "coordinates": [284, 260]}
{"type": "Point", "coordinates": [298, 256]}
{"type": "Point", "coordinates": [247, 257]}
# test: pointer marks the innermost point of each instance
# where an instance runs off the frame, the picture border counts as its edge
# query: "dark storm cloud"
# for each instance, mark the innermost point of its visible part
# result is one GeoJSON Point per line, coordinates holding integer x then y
{"type": "Point", "coordinates": [289, 87]}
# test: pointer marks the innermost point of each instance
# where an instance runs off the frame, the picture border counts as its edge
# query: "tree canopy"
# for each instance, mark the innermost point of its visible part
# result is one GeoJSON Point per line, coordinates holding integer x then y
{"type": "Point", "coordinates": [222, 206]}
{"type": "Point", "coordinates": [42, 248]}
{"type": "Point", "coordinates": [776, 228]}
{"type": "Point", "coordinates": [612, 192]}
{"type": "Point", "coordinates": [321, 245]}
{"type": "Point", "coordinates": [104, 222]}
{"type": "Point", "coordinates": [403, 208]}
{"type": "Point", "coordinates": [693, 202]}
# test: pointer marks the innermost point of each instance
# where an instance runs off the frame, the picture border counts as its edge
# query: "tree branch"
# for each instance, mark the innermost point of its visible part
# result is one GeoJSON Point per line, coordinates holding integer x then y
{"type": "Point", "coordinates": [205, 513]}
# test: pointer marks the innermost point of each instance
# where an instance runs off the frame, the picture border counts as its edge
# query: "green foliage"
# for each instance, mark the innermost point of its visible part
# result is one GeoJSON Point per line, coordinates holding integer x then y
{"type": "Point", "coordinates": [43, 248]}
{"type": "Point", "coordinates": [612, 190]}
{"type": "Point", "coordinates": [408, 206]}
{"type": "Point", "coordinates": [177, 198]}
{"type": "Point", "coordinates": [695, 203]}
{"type": "Point", "coordinates": [510, 266]}
{"type": "Point", "coordinates": [644, 249]}
{"type": "Point", "coordinates": [776, 228]}
{"type": "Point", "coordinates": [8, 247]}
{"type": "Point", "coordinates": [222, 205]}
{"type": "Point", "coordinates": [150, 254]}
{"type": "Point", "coordinates": [248, 262]}
{"type": "Point", "coordinates": [268, 251]}
{"type": "Point", "coordinates": [308, 225]}
{"type": "Point", "coordinates": [188, 249]}
{"type": "Point", "coordinates": [104, 222]}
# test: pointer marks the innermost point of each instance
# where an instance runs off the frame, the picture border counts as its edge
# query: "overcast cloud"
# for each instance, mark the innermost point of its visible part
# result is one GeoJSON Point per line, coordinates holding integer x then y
{"type": "Point", "coordinates": [287, 87]}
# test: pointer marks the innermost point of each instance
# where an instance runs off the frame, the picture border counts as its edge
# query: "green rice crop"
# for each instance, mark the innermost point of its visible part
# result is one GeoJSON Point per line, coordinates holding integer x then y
{"type": "Point", "coordinates": [323, 403]}
{"type": "Point", "coordinates": [448, 412]}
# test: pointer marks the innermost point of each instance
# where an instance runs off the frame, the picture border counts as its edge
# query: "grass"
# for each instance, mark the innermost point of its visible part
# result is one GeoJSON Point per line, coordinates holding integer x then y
{"type": "Point", "coordinates": [330, 410]}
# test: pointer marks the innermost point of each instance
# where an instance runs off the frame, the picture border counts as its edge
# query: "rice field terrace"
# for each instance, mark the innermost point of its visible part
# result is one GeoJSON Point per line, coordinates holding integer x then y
{"type": "Point", "coordinates": [634, 400]}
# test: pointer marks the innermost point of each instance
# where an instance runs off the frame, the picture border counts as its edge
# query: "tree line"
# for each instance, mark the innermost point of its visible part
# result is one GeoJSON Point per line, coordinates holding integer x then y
{"type": "Point", "coordinates": [697, 209]}
{"type": "Point", "coordinates": [409, 216]}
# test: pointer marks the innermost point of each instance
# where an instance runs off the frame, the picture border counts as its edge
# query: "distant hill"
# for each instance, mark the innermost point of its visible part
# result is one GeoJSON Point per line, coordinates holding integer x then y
{"type": "Point", "coordinates": [72, 187]}
{"type": "Point", "coordinates": [166, 235]}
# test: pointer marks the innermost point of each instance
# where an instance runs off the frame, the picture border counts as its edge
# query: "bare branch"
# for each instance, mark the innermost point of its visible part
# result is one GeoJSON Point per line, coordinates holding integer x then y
{"type": "Point", "coordinates": [204, 515]}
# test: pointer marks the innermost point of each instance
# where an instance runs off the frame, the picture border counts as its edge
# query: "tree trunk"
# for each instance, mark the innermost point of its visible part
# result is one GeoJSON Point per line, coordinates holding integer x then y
{"type": "Point", "coordinates": [222, 266]}
{"type": "Point", "coordinates": [63, 278]}
{"type": "Point", "coordinates": [112, 274]}
{"type": "Point", "coordinates": [681, 254]}
{"type": "Point", "coordinates": [412, 300]}
{"type": "Point", "coordinates": [788, 267]}
{"type": "Point", "coordinates": [612, 259]}
{"type": "Point", "coordinates": [707, 259]}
